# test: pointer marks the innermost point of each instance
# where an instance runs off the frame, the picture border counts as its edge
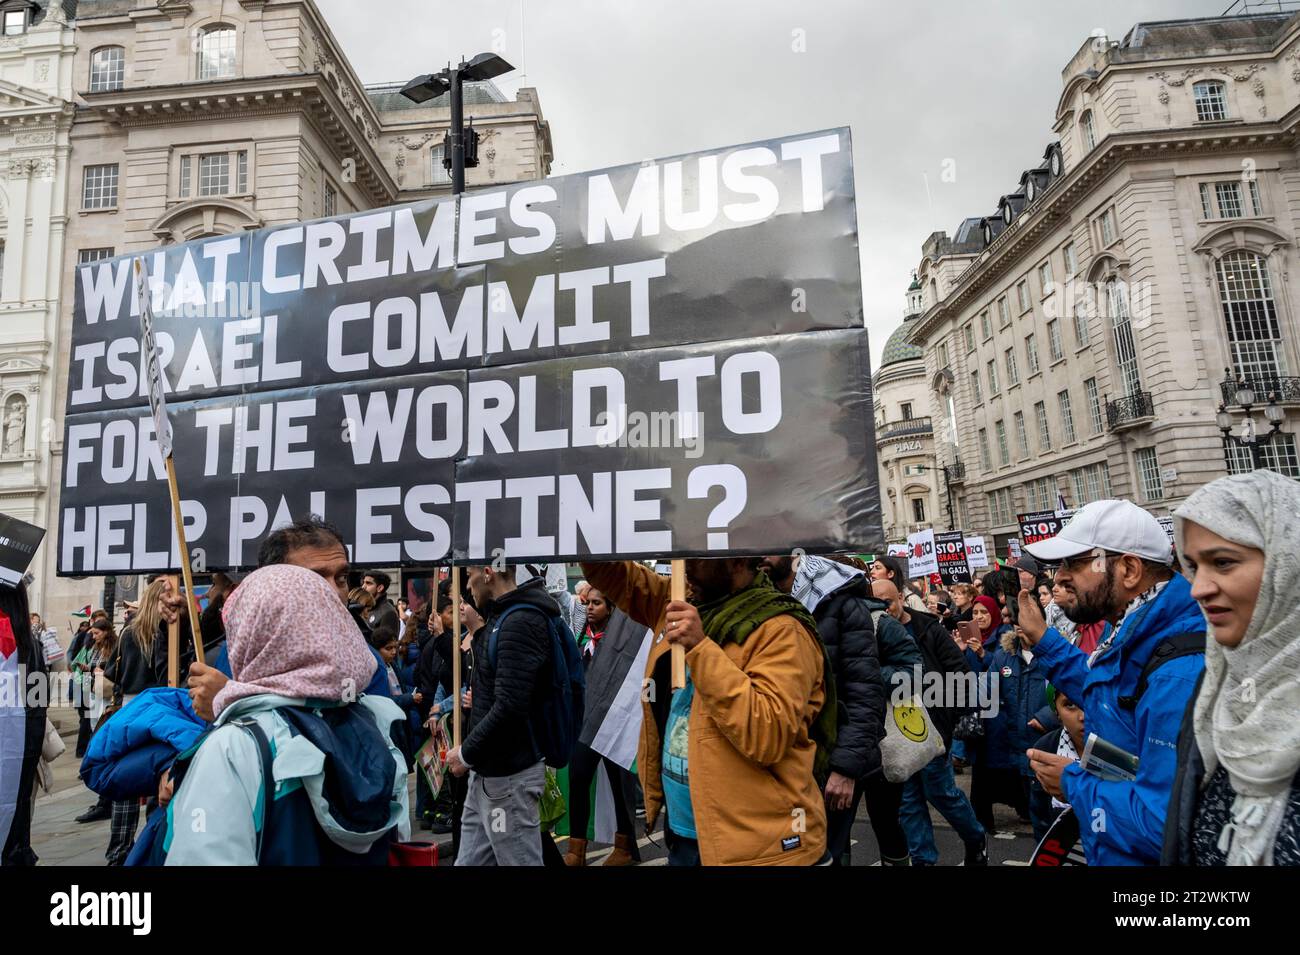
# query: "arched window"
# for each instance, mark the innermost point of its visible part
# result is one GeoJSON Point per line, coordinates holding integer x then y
{"type": "Point", "coordinates": [441, 175]}
{"type": "Point", "coordinates": [1211, 103]}
{"type": "Point", "coordinates": [107, 69]}
{"type": "Point", "coordinates": [1088, 131]}
{"type": "Point", "coordinates": [217, 52]}
{"type": "Point", "coordinates": [1249, 311]}
{"type": "Point", "coordinates": [1125, 346]}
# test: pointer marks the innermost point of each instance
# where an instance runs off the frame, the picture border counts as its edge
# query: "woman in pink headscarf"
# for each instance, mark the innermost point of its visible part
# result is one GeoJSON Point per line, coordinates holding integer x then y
{"type": "Point", "coordinates": [299, 769]}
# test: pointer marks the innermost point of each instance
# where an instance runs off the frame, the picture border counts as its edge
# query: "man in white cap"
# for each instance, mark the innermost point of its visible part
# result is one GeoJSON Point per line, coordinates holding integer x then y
{"type": "Point", "coordinates": [1114, 563]}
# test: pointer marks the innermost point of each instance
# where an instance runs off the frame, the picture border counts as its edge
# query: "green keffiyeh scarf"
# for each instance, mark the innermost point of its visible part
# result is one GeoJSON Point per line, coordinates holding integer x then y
{"type": "Point", "coordinates": [735, 616]}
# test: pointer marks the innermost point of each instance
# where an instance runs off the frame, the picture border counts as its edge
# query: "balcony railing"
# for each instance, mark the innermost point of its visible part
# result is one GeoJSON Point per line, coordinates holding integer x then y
{"type": "Point", "coordinates": [1287, 389]}
{"type": "Point", "coordinates": [1129, 410]}
{"type": "Point", "coordinates": [956, 472]}
{"type": "Point", "coordinates": [904, 428]}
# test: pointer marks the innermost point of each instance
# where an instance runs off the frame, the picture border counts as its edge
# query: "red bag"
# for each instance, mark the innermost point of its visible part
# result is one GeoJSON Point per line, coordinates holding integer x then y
{"type": "Point", "coordinates": [406, 854]}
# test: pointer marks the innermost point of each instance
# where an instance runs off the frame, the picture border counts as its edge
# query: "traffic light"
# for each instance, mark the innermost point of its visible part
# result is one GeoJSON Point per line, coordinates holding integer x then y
{"type": "Point", "coordinates": [471, 147]}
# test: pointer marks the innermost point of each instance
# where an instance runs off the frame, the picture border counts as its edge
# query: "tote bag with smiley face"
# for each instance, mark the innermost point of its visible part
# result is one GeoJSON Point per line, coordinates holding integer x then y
{"type": "Point", "coordinates": [910, 740]}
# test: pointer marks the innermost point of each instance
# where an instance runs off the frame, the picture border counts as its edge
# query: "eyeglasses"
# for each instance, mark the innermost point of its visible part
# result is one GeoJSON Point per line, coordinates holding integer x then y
{"type": "Point", "coordinates": [1072, 564]}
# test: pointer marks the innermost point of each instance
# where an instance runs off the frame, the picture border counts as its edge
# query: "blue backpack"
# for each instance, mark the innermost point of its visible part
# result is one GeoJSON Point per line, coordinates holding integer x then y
{"type": "Point", "coordinates": [555, 725]}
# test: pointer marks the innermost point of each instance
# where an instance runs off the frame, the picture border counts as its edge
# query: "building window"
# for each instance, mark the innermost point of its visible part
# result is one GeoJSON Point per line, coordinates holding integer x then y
{"type": "Point", "coordinates": [330, 202]}
{"type": "Point", "coordinates": [1211, 104]}
{"type": "Point", "coordinates": [1107, 226]}
{"type": "Point", "coordinates": [1250, 313]}
{"type": "Point", "coordinates": [1045, 276]}
{"type": "Point", "coordinates": [441, 175]}
{"type": "Point", "coordinates": [975, 387]}
{"type": "Point", "coordinates": [99, 187]}
{"type": "Point", "coordinates": [214, 174]}
{"type": "Point", "coordinates": [1067, 416]}
{"type": "Point", "coordinates": [943, 354]}
{"type": "Point", "coordinates": [1000, 429]}
{"type": "Point", "coordinates": [1054, 347]}
{"type": "Point", "coordinates": [1148, 468]}
{"type": "Point", "coordinates": [984, 449]}
{"type": "Point", "coordinates": [1004, 314]}
{"type": "Point", "coordinates": [1022, 297]}
{"type": "Point", "coordinates": [15, 22]}
{"type": "Point", "coordinates": [1125, 346]}
{"type": "Point", "coordinates": [1081, 324]}
{"type": "Point", "coordinates": [1013, 373]}
{"type": "Point", "coordinates": [1044, 433]}
{"type": "Point", "coordinates": [1226, 200]}
{"type": "Point", "coordinates": [969, 331]}
{"type": "Point", "coordinates": [985, 328]}
{"type": "Point", "coordinates": [107, 69]}
{"type": "Point", "coordinates": [86, 256]}
{"type": "Point", "coordinates": [1022, 435]}
{"type": "Point", "coordinates": [1091, 483]}
{"type": "Point", "coordinates": [1071, 263]}
{"type": "Point", "coordinates": [1254, 198]}
{"type": "Point", "coordinates": [1000, 506]}
{"type": "Point", "coordinates": [1278, 455]}
{"type": "Point", "coordinates": [1031, 353]}
{"type": "Point", "coordinates": [992, 367]}
{"type": "Point", "coordinates": [217, 53]}
{"type": "Point", "coordinates": [1094, 404]}
{"type": "Point", "coordinates": [918, 510]}
{"type": "Point", "coordinates": [906, 409]}
{"type": "Point", "coordinates": [1088, 131]}
{"type": "Point", "coordinates": [1040, 494]}
{"type": "Point", "coordinates": [952, 420]}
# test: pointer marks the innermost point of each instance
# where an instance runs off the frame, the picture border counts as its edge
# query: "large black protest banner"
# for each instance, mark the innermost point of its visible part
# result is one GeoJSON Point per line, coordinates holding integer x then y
{"type": "Point", "coordinates": [664, 359]}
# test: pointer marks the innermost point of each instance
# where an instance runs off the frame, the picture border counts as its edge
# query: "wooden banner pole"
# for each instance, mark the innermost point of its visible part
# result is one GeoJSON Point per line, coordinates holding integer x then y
{"type": "Point", "coordinates": [174, 643]}
{"type": "Point", "coordinates": [678, 592]}
{"type": "Point", "coordinates": [195, 635]}
{"type": "Point", "coordinates": [455, 656]}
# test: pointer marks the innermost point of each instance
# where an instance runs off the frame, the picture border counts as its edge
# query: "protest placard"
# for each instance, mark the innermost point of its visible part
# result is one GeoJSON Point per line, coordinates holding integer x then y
{"type": "Point", "coordinates": [950, 551]}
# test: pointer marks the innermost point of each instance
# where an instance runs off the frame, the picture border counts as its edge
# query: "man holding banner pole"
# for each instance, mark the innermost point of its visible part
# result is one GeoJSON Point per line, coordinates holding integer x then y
{"type": "Point", "coordinates": [730, 758]}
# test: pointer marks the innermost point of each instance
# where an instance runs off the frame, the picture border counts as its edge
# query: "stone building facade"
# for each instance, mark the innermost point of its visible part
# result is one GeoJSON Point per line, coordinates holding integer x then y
{"type": "Point", "coordinates": [36, 117]}
{"type": "Point", "coordinates": [202, 117]}
{"type": "Point", "coordinates": [905, 434]}
{"type": "Point", "coordinates": [1080, 333]}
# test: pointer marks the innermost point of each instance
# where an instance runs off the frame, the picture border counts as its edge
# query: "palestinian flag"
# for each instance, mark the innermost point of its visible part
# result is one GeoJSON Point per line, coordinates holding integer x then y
{"type": "Point", "coordinates": [84, 612]}
{"type": "Point", "coordinates": [612, 725]}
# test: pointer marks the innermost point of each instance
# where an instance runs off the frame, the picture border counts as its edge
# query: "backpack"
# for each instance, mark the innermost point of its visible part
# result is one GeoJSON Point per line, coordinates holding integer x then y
{"type": "Point", "coordinates": [555, 725]}
{"type": "Point", "coordinates": [1170, 648]}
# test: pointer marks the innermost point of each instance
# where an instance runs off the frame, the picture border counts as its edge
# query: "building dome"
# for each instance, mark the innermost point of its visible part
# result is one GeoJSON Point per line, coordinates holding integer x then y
{"type": "Point", "coordinates": [897, 349]}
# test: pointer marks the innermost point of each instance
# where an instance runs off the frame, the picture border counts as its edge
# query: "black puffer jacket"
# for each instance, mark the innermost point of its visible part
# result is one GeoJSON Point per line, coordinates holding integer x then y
{"type": "Point", "coordinates": [940, 655]}
{"type": "Point", "coordinates": [844, 623]}
{"type": "Point", "coordinates": [507, 684]}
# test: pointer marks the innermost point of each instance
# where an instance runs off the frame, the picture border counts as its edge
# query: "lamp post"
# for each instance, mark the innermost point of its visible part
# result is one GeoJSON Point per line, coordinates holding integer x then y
{"type": "Point", "coordinates": [428, 86]}
{"type": "Point", "coordinates": [947, 484]}
{"type": "Point", "coordinates": [1249, 437]}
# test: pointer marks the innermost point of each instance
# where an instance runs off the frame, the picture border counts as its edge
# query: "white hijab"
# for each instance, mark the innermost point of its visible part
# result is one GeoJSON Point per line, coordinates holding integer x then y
{"type": "Point", "coordinates": [1247, 715]}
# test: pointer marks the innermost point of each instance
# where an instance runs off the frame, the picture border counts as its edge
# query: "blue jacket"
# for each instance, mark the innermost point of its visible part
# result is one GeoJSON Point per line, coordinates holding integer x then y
{"type": "Point", "coordinates": [1122, 823]}
{"type": "Point", "coordinates": [1020, 689]}
{"type": "Point", "coordinates": [128, 754]}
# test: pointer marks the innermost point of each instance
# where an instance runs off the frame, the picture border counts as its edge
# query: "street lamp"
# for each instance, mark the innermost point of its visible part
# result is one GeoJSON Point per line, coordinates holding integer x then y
{"type": "Point", "coordinates": [1249, 437]}
{"type": "Point", "coordinates": [947, 483]}
{"type": "Point", "coordinates": [427, 86]}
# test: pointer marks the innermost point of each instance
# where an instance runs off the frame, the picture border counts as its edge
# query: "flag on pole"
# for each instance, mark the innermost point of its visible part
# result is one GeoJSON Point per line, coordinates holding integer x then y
{"type": "Point", "coordinates": [83, 612]}
{"type": "Point", "coordinates": [153, 374]}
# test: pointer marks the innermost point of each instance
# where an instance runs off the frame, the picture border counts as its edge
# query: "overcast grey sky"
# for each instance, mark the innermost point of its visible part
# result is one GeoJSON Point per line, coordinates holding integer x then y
{"type": "Point", "coordinates": [918, 83]}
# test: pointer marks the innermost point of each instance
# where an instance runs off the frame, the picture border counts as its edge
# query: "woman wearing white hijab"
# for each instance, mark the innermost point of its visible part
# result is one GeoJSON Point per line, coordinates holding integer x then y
{"type": "Point", "coordinates": [1236, 798]}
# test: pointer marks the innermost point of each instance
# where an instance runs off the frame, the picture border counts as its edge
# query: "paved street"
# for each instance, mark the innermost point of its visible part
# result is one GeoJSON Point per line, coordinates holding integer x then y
{"type": "Point", "coordinates": [59, 840]}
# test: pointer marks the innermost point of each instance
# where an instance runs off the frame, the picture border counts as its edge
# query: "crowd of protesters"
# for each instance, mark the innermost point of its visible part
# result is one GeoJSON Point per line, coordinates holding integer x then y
{"type": "Point", "coordinates": [805, 700]}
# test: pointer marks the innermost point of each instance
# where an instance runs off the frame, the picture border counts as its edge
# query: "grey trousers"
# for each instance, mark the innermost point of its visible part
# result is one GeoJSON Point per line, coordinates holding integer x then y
{"type": "Point", "coordinates": [501, 823]}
